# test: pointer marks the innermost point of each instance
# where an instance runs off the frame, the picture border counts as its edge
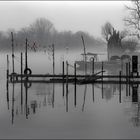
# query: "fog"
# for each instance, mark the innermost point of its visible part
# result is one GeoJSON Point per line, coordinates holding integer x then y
{"type": "Point", "coordinates": [88, 16]}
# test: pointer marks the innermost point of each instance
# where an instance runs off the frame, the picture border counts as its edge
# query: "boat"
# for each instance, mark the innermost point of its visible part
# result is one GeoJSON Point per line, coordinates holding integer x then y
{"type": "Point", "coordinates": [113, 64]}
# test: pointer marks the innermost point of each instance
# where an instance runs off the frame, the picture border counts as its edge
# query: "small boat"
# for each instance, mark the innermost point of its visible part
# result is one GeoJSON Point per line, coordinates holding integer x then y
{"type": "Point", "coordinates": [113, 64]}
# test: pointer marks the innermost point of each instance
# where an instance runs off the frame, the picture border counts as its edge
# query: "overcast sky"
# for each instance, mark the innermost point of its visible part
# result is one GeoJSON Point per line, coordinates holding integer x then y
{"type": "Point", "coordinates": [87, 16]}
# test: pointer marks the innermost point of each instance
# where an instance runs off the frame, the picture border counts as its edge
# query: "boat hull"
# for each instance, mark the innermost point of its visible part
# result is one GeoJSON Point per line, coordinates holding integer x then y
{"type": "Point", "coordinates": [98, 65]}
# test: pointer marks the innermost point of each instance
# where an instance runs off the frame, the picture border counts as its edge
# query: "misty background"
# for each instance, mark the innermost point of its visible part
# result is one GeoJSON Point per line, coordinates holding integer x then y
{"type": "Point", "coordinates": [58, 22]}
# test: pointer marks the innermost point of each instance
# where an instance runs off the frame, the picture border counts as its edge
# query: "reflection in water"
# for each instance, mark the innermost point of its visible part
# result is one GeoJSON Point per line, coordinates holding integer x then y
{"type": "Point", "coordinates": [13, 100]}
{"type": "Point", "coordinates": [93, 92]}
{"type": "Point", "coordinates": [33, 105]}
{"type": "Point", "coordinates": [7, 93]}
{"type": "Point", "coordinates": [85, 91]}
{"type": "Point", "coordinates": [45, 96]}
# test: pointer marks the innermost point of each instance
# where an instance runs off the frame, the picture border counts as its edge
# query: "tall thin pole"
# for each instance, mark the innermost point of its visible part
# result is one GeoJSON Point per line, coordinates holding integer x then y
{"type": "Point", "coordinates": [63, 71]}
{"type": "Point", "coordinates": [102, 80]}
{"type": "Point", "coordinates": [53, 54]}
{"type": "Point", "coordinates": [12, 51]}
{"type": "Point", "coordinates": [7, 66]}
{"type": "Point", "coordinates": [26, 57]}
{"type": "Point", "coordinates": [13, 100]}
{"type": "Point", "coordinates": [7, 83]}
{"type": "Point", "coordinates": [84, 55]}
{"type": "Point", "coordinates": [67, 86]}
{"type": "Point", "coordinates": [93, 66]}
{"type": "Point", "coordinates": [53, 73]}
{"type": "Point", "coordinates": [120, 73]}
{"type": "Point", "coordinates": [21, 83]}
{"type": "Point", "coordinates": [75, 84]}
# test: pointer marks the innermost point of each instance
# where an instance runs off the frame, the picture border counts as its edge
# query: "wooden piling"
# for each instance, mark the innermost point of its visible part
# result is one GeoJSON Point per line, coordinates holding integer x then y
{"type": "Point", "coordinates": [7, 66]}
{"type": "Point", "coordinates": [93, 66]}
{"type": "Point", "coordinates": [7, 82]}
{"type": "Point", "coordinates": [12, 51]}
{"type": "Point", "coordinates": [120, 73]}
{"type": "Point", "coordinates": [66, 86]}
{"type": "Point", "coordinates": [26, 54]}
{"type": "Point", "coordinates": [129, 73]}
{"type": "Point", "coordinates": [63, 72]}
{"type": "Point", "coordinates": [127, 70]}
{"type": "Point", "coordinates": [21, 82]}
{"type": "Point", "coordinates": [102, 79]}
{"type": "Point", "coordinates": [75, 84]}
{"type": "Point", "coordinates": [53, 54]}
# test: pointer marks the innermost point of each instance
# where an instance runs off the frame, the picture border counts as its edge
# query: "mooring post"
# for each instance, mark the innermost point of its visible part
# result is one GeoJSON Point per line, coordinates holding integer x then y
{"type": "Point", "coordinates": [93, 66]}
{"type": "Point", "coordinates": [13, 51]}
{"type": "Point", "coordinates": [129, 76]}
{"type": "Point", "coordinates": [75, 84]}
{"type": "Point", "coordinates": [26, 55]}
{"type": "Point", "coordinates": [7, 67]}
{"type": "Point", "coordinates": [127, 72]}
{"type": "Point", "coordinates": [129, 66]}
{"type": "Point", "coordinates": [63, 71]}
{"type": "Point", "coordinates": [21, 82]}
{"type": "Point", "coordinates": [102, 79]}
{"type": "Point", "coordinates": [120, 73]}
{"type": "Point", "coordinates": [7, 83]}
{"type": "Point", "coordinates": [53, 54]}
{"type": "Point", "coordinates": [67, 86]}
{"type": "Point", "coordinates": [21, 66]}
{"type": "Point", "coordinates": [127, 79]}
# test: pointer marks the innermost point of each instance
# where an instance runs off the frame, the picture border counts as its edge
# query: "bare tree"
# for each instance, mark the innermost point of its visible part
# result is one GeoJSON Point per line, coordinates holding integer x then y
{"type": "Point", "coordinates": [107, 30]}
{"type": "Point", "coordinates": [42, 25]}
{"type": "Point", "coordinates": [133, 20]}
{"type": "Point", "coordinates": [41, 30]}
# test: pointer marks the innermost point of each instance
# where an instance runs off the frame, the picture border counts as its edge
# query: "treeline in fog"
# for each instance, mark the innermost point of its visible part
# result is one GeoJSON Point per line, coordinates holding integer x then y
{"type": "Point", "coordinates": [42, 33]}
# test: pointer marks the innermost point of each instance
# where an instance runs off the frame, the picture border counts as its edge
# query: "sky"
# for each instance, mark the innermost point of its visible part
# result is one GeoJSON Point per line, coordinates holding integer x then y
{"type": "Point", "coordinates": [86, 16]}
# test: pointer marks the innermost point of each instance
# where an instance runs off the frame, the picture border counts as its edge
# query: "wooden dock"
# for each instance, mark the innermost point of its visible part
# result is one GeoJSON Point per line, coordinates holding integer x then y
{"type": "Point", "coordinates": [80, 79]}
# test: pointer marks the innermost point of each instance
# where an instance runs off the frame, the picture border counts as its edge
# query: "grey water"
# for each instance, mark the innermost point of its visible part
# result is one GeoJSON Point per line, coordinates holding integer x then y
{"type": "Point", "coordinates": [46, 113]}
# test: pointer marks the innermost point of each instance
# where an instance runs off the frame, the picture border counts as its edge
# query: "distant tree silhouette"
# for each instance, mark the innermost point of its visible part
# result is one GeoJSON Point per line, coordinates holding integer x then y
{"type": "Point", "coordinates": [133, 19]}
{"type": "Point", "coordinates": [107, 30]}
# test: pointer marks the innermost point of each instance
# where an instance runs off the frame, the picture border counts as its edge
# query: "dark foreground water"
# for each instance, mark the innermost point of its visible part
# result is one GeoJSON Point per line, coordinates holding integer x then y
{"type": "Point", "coordinates": [96, 112]}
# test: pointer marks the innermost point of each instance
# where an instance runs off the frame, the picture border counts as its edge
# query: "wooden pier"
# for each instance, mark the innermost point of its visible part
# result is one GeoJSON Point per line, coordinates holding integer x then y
{"type": "Point", "coordinates": [130, 76]}
{"type": "Point", "coordinates": [80, 79]}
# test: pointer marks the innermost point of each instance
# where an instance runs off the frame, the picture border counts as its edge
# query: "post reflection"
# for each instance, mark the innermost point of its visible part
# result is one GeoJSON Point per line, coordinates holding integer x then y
{"type": "Point", "coordinates": [13, 100]}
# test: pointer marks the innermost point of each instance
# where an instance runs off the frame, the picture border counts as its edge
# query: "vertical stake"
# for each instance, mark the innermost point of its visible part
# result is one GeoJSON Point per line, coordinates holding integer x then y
{"type": "Point", "coordinates": [63, 71]}
{"type": "Point", "coordinates": [93, 66]}
{"type": "Point", "coordinates": [13, 51]}
{"type": "Point", "coordinates": [26, 57]}
{"type": "Point", "coordinates": [67, 86]}
{"type": "Point", "coordinates": [21, 82]}
{"type": "Point", "coordinates": [129, 77]}
{"type": "Point", "coordinates": [102, 79]}
{"type": "Point", "coordinates": [53, 54]}
{"type": "Point", "coordinates": [126, 79]}
{"type": "Point", "coordinates": [120, 86]}
{"type": "Point", "coordinates": [75, 84]}
{"type": "Point", "coordinates": [7, 83]}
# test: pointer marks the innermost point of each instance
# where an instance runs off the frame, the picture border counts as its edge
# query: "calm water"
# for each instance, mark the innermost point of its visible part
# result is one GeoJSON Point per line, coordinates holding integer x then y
{"type": "Point", "coordinates": [48, 114]}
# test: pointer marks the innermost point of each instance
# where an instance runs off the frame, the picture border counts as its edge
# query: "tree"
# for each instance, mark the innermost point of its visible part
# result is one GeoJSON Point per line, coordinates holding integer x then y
{"type": "Point", "coordinates": [133, 20]}
{"type": "Point", "coordinates": [107, 30]}
{"type": "Point", "coordinates": [41, 30]}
